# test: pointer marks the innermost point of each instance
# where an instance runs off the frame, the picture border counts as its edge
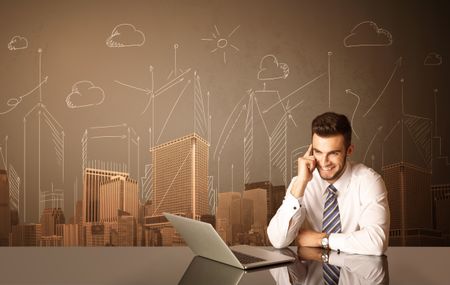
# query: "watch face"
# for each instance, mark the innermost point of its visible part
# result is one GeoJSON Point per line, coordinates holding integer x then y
{"type": "Point", "coordinates": [325, 242]}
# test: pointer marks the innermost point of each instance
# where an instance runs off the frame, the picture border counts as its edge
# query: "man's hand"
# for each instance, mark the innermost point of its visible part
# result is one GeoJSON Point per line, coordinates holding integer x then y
{"type": "Point", "coordinates": [310, 238]}
{"type": "Point", "coordinates": [309, 253]}
{"type": "Point", "coordinates": [306, 166]}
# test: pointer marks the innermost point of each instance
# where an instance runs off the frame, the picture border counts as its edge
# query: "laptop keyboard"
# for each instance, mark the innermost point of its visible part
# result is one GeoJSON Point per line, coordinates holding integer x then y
{"type": "Point", "coordinates": [246, 259]}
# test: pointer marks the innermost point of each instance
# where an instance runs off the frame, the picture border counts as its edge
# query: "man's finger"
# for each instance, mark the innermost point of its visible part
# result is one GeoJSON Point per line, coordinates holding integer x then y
{"type": "Point", "coordinates": [308, 152]}
{"type": "Point", "coordinates": [310, 164]}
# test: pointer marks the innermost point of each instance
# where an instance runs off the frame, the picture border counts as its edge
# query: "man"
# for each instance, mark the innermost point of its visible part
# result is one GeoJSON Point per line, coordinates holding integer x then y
{"type": "Point", "coordinates": [332, 202]}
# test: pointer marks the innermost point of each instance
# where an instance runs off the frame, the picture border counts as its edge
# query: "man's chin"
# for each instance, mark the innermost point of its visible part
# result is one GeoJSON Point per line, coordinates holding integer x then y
{"type": "Point", "coordinates": [327, 176]}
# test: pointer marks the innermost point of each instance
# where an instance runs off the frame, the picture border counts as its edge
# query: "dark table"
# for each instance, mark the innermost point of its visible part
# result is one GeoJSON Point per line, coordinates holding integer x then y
{"type": "Point", "coordinates": [170, 265]}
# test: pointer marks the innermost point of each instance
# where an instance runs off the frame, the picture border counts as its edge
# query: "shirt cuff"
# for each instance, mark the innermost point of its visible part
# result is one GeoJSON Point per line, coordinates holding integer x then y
{"type": "Point", "coordinates": [336, 259]}
{"type": "Point", "coordinates": [294, 203]}
{"type": "Point", "coordinates": [336, 241]}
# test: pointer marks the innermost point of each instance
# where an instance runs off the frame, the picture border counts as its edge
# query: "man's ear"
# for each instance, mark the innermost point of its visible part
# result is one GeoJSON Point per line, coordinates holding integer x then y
{"type": "Point", "coordinates": [350, 149]}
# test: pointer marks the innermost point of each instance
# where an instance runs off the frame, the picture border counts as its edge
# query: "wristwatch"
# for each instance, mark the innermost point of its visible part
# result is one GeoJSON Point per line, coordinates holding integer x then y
{"type": "Point", "coordinates": [325, 257]}
{"type": "Point", "coordinates": [325, 242]}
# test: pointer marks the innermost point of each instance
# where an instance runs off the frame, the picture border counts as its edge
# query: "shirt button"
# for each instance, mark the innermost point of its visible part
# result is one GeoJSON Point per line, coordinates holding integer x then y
{"type": "Point", "coordinates": [295, 208]}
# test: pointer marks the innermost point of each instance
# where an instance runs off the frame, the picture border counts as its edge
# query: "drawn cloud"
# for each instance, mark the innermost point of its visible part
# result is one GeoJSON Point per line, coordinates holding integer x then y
{"type": "Point", "coordinates": [433, 59]}
{"type": "Point", "coordinates": [18, 42]}
{"type": "Point", "coordinates": [368, 34]}
{"type": "Point", "coordinates": [125, 35]}
{"type": "Point", "coordinates": [85, 94]}
{"type": "Point", "coordinates": [271, 69]}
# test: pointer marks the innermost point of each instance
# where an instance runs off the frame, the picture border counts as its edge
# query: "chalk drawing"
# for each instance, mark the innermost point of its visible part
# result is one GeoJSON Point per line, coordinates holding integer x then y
{"type": "Point", "coordinates": [56, 139]}
{"type": "Point", "coordinates": [271, 69]}
{"type": "Point", "coordinates": [385, 140]}
{"type": "Point", "coordinates": [379, 129]}
{"type": "Point", "coordinates": [4, 147]}
{"type": "Point", "coordinates": [106, 134]}
{"type": "Point", "coordinates": [294, 92]}
{"type": "Point", "coordinates": [222, 42]}
{"type": "Point", "coordinates": [14, 188]}
{"type": "Point", "coordinates": [14, 102]}
{"type": "Point", "coordinates": [435, 92]}
{"type": "Point", "coordinates": [201, 126]}
{"type": "Point", "coordinates": [329, 79]}
{"type": "Point", "coordinates": [432, 58]}
{"type": "Point", "coordinates": [243, 108]}
{"type": "Point", "coordinates": [85, 94]}
{"type": "Point", "coordinates": [125, 35]}
{"type": "Point", "coordinates": [53, 198]}
{"type": "Point", "coordinates": [175, 69]}
{"type": "Point", "coordinates": [277, 149]}
{"type": "Point", "coordinates": [368, 34]}
{"type": "Point", "coordinates": [349, 91]}
{"type": "Point", "coordinates": [153, 94]}
{"type": "Point", "coordinates": [226, 125]}
{"type": "Point", "coordinates": [173, 108]}
{"type": "Point", "coordinates": [397, 64]}
{"type": "Point", "coordinates": [295, 154]}
{"type": "Point", "coordinates": [147, 183]}
{"type": "Point", "coordinates": [17, 43]}
{"type": "Point", "coordinates": [262, 118]}
{"type": "Point", "coordinates": [420, 130]}
{"type": "Point", "coordinates": [267, 92]}
{"type": "Point", "coordinates": [248, 139]}
{"type": "Point", "coordinates": [212, 195]}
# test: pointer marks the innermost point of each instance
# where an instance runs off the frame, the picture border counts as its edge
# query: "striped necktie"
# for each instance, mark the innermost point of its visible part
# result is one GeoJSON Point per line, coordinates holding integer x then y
{"type": "Point", "coordinates": [331, 223]}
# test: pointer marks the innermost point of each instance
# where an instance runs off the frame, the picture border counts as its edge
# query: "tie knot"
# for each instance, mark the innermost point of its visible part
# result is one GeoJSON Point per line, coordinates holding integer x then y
{"type": "Point", "coordinates": [332, 189]}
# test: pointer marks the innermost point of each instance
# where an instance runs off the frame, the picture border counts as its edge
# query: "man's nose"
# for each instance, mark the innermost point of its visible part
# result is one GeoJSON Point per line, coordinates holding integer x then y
{"type": "Point", "coordinates": [324, 160]}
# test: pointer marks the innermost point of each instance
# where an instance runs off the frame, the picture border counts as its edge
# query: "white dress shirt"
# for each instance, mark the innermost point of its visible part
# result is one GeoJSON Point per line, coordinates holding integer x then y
{"type": "Point", "coordinates": [363, 207]}
{"type": "Point", "coordinates": [354, 270]}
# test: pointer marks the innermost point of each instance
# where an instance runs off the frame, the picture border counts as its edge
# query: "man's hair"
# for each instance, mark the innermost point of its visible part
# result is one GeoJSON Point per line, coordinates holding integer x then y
{"type": "Point", "coordinates": [331, 124]}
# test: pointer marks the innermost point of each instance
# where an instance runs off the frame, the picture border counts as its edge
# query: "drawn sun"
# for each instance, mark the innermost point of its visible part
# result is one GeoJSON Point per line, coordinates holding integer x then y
{"type": "Point", "coordinates": [222, 42]}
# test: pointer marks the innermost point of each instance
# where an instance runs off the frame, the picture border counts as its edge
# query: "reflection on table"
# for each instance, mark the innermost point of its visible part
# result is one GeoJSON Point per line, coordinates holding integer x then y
{"type": "Point", "coordinates": [308, 268]}
{"type": "Point", "coordinates": [173, 265]}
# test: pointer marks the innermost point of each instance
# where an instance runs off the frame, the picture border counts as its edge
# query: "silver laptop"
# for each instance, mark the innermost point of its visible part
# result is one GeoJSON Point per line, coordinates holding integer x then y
{"type": "Point", "coordinates": [203, 271]}
{"type": "Point", "coordinates": [204, 241]}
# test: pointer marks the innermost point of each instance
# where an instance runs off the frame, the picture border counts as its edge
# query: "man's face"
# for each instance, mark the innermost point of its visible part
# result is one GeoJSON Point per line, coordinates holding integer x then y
{"type": "Point", "coordinates": [331, 156]}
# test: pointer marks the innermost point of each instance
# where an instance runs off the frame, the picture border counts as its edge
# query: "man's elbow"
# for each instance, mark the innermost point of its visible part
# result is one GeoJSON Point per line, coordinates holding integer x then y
{"type": "Point", "coordinates": [277, 240]}
{"type": "Point", "coordinates": [279, 244]}
{"type": "Point", "coordinates": [379, 244]}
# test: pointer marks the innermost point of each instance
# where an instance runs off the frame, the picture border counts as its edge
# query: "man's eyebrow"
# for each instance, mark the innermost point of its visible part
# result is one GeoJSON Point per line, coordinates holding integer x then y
{"type": "Point", "coordinates": [336, 150]}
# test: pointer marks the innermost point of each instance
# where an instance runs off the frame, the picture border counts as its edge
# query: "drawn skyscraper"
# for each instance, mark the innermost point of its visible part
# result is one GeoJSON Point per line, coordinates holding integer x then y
{"type": "Point", "coordinates": [180, 181]}
{"type": "Point", "coordinates": [116, 146]}
{"type": "Point", "coordinates": [43, 159]}
{"type": "Point", "coordinates": [14, 188]}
